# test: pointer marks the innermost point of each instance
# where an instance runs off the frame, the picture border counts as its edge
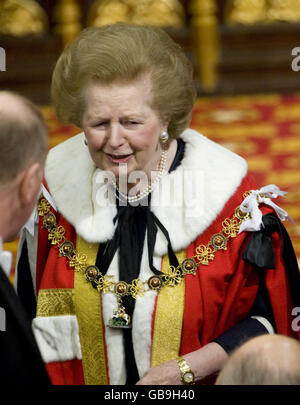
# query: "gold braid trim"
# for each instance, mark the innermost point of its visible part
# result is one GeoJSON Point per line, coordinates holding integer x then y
{"type": "Point", "coordinates": [171, 277]}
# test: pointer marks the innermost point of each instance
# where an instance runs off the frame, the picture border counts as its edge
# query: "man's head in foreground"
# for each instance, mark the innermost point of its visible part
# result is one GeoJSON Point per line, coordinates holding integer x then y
{"type": "Point", "coordinates": [23, 150]}
{"type": "Point", "coordinates": [264, 360]}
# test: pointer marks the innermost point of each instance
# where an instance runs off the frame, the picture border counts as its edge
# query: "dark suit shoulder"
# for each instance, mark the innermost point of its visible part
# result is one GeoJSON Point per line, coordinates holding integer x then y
{"type": "Point", "coordinates": [21, 361]}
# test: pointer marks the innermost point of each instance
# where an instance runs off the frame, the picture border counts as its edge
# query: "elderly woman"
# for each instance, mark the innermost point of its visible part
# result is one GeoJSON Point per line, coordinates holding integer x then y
{"type": "Point", "coordinates": [143, 260]}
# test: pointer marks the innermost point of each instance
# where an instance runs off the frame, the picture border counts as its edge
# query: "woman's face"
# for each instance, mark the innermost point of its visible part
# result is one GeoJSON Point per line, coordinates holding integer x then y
{"type": "Point", "coordinates": [121, 127]}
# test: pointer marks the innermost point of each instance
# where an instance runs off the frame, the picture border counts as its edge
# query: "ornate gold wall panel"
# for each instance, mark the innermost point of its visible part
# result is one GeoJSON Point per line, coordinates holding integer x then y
{"type": "Point", "coordinates": [284, 10]}
{"type": "Point", "coordinates": [261, 11]}
{"type": "Point", "coordinates": [22, 17]}
{"type": "Point", "coordinates": [67, 15]}
{"type": "Point", "coordinates": [245, 11]}
{"type": "Point", "coordinates": [153, 12]}
{"type": "Point", "coordinates": [206, 42]}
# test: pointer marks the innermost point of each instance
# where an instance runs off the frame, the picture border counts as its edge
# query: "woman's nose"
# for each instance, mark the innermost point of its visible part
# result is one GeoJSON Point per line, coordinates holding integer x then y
{"type": "Point", "coordinates": [115, 136]}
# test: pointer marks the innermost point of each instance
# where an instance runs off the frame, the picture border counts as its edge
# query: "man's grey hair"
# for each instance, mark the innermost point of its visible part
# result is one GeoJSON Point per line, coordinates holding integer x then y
{"type": "Point", "coordinates": [23, 135]}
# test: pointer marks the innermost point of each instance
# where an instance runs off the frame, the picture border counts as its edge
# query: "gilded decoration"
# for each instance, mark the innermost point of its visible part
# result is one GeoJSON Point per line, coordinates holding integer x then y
{"type": "Point", "coordinates": [56, 234]}
{"type": "Point", "coordinates": [206, 41]}
{"type": "Point", "coordinates": [105, 284]}
{"type": "Point", "coordinates": [137, 288]}
{"type": "Point", "coordinates": [152, 12]}
{"type": "Point", "coordinates": [67, 15]}
{"type": "Point", "coordinates": [246, 11]}
{"type": "Point", "coordinates": [205, 254]}
{"type": "Point", "coordinates": [55, 302]}
{"type": "Point", "coordinates": [284, 10]}
{"type": "Point", "coordinates": [261, 11]}
{"type": "Point", "coordinates": [22, 17]}
{"type": "Point", "coordinates": [78, 261]}
{"type": "Point", "coordinates": [231, 227]}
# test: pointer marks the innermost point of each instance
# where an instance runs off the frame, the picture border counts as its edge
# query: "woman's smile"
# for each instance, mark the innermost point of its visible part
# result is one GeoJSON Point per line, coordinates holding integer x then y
{"type": "Point", "coordinates": [119, 158]}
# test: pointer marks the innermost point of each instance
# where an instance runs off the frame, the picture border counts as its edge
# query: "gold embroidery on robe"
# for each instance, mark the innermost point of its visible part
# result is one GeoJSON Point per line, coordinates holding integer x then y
{"type": "Point", "coordinates": [89, 314]}
{"type": "Point", "coordinates": [55, 302]}
{"type": "Point", "coordinates": [168, 319]}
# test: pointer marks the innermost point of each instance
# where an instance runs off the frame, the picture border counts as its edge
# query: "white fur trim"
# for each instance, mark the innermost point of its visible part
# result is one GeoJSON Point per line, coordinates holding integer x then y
{"type": "Point", "coordinates": [142, 317]}
{"type": "Point", "coordinates": [57, 337]}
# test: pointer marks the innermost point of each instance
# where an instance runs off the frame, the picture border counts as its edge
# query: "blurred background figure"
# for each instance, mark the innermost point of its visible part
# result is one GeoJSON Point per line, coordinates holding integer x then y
{"type": "Point", "coordinates": [264, 360]}
{"type": "Point", "coordinates": [23, 147]}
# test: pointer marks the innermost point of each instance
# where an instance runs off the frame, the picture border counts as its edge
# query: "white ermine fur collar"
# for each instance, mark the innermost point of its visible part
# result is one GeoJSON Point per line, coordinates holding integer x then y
{"type": "Point", "coordinates": [186, 201]}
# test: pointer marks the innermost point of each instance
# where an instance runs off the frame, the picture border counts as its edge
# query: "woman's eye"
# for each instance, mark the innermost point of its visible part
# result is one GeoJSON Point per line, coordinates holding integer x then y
{"type": "Point", "coordinates": [131, 122]}
{"type": "Point", "coordinates": [99, 124]}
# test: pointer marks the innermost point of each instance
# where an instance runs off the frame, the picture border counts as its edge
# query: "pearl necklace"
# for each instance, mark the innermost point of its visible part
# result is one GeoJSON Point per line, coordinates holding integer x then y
{"type": "Point", "coordinates": [148, 190]}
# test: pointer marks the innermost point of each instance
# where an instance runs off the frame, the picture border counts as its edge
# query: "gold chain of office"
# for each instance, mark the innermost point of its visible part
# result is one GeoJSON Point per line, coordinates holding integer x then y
{"type": "Point", "coordinates": [171, 277]}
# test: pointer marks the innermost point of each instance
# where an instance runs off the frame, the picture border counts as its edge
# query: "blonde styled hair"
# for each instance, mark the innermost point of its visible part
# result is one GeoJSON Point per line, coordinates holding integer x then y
{"type": "Point", "coordinates": [124, 52]}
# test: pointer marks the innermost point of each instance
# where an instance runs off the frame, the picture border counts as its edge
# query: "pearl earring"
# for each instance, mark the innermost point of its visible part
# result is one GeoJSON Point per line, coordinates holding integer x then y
{"type": "Point", "coordinates": [85, 142]}
{"type": "Point", "coordinates": [164, 136]}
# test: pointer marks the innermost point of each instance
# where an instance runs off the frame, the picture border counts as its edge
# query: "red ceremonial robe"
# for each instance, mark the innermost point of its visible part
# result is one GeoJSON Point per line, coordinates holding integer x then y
{"type": "Point", "coordinates": [178, 319]}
